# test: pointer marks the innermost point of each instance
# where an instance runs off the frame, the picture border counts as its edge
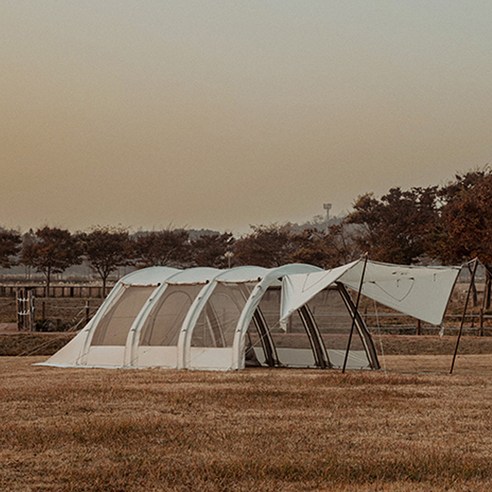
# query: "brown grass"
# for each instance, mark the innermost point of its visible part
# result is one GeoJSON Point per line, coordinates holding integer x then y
{"type": "Point", "coordinates": [33, 343]}
{"type": "Point", "coordinates": [269, 430]}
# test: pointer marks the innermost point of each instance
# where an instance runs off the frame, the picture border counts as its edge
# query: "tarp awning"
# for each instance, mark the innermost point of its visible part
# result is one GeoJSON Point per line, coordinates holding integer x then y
{"type": "Point", "coordinates": [421, 292]}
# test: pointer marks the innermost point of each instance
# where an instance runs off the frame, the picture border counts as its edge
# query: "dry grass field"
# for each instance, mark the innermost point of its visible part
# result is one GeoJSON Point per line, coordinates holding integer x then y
{"type": "Point", "coordinates": [260, 429]}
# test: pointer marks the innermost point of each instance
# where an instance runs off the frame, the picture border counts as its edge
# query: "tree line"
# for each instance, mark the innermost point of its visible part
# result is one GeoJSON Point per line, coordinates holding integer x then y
{"type": "Point", "coordinates": [446, 224]}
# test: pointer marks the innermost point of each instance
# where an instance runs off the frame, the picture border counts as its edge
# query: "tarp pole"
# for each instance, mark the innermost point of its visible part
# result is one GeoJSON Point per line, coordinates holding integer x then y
{"type": "Point", "coordinates": [472, 279]}
{"type": "Point", "coordinates": [356, 310]}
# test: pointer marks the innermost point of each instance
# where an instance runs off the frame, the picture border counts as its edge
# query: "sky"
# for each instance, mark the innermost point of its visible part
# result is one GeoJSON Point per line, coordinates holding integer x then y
{"type": "Point", "coordinates": [224, 113]}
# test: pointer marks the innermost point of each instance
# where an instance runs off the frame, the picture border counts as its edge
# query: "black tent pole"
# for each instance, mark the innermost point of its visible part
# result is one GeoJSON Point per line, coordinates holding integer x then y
{"type": "Point", "coordinates": [354, 314]}
{"type": "Point", "coordinates": [472, 279]}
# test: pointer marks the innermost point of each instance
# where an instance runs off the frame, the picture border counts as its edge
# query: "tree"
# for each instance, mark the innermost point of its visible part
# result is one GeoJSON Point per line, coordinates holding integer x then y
{"type": "Point", "coordinates": [324, 249]}
{"type": "Point", "coordinates": [343, 237]}
{"type": "Point", "coordinates": [212, 250]}
{"type": "Point", "coordinates": [105, 249]}
{"type": "Point", "coordinates": [27, 251]}
{"type": "Point", "coordinates": [169, 247]}
{"type": "Point", "coordinates": [465, 226]}
{"type": "Point", "coordinates": [52, 250]}
{"type": "Point", "coordinates": [266, 246]}
{"type": "Point", "coordinates": [398, 227]}
{"type": "Point", "coordinates": [9, 247]}
{"type": "Point", "coordinates": [310, 246]}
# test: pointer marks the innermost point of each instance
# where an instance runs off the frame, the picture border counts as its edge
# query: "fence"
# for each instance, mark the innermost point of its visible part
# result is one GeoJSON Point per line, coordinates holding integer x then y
{"type": "Point", "coordinates": [70, 306]}
{"type": "Point", "coordinates": [57, 291]}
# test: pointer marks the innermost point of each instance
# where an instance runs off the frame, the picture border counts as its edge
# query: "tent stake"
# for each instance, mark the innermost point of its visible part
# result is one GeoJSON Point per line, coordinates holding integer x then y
{"type": "Point", "coordinates": [354, 314]}
{"type": "Point", "coordinates": [472, 279]}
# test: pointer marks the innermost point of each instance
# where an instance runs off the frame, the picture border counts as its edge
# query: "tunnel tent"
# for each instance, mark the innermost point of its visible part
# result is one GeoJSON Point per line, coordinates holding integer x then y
{"type": "Point", "coordinates": [203, 318]}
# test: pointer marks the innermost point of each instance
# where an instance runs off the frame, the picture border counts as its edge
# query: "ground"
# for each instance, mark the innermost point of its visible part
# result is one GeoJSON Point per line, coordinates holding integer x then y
{"type": "Point", "coordinates": [259, 429]}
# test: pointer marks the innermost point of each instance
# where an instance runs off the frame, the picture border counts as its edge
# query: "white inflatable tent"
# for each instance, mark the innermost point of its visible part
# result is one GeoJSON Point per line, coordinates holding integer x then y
{"type": "Point", "coordinates": [204, 318]}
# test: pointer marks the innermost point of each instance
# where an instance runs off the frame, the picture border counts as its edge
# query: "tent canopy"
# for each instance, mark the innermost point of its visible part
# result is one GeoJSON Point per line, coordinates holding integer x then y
{"type": "Point", "coordinates": [421, 292]}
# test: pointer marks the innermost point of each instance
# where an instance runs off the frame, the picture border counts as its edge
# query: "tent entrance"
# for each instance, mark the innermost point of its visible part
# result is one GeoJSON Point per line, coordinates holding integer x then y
{"type": "Point", "coordinates": [315, 336]}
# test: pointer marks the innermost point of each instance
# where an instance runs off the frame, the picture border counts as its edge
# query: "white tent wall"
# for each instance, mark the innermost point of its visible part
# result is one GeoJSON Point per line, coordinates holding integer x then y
{"type": "Point", "coordinates": [69, 355]}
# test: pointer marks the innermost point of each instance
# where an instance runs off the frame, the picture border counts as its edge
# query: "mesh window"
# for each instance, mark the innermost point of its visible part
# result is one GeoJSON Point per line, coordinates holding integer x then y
{"type": "Point", "coordinates": [334, 320]}
{"type": "Point", "coordinates": [115, 325]}
{"type": "Point", "coordinates": [164, 323]}
{"type": "Point", "coordinates": [218, 320]}
{"type": "Point", "coordinates": [293, 345]}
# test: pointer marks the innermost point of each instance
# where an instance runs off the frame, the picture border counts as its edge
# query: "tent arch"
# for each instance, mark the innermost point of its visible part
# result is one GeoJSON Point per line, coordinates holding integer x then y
{"type": "Point", "coordinates": [132, 342]}
{"type": "Point", "coordinates": [272, 277]}
{"type": "Point", "coordinates": [77, 350]}
{"type": "Point", "coordinates": [114, 295]}
{"type": "Point", "coordinates": [146, 277]}
{"type": "Point", "coordinates": [241, 274]}
{"type": "Point", "coordinates": [139, 354]}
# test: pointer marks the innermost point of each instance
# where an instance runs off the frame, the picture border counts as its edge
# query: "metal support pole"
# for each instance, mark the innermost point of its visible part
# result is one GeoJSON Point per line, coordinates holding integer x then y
{"type": "Point", "coordinates": [355, 313]}
{"type": "Point", "coordinates": [472, 279]}
{"type": "Point", "coordinates": [87, 311]}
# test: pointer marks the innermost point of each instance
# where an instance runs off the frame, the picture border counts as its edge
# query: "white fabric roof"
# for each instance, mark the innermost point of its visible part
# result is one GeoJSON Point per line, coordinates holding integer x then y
{"type": "Point", "coordinates": [421, 292]}
{"type": "Point", "coordinates": [242, 274]}
{"type": "Point", "coordinates": [149, 276]}
{"type": "Point", "coordinates": [198, 275]}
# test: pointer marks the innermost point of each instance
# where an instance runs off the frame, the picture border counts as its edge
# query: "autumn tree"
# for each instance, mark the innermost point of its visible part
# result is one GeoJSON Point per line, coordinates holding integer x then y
{"type": "Point", "coordinates": [169, 247]}
{"type": "Point", "coordinates": [465, 226]}
{"type": "Point", "coordinates": [52, 250]}
{"type": "Point", "coordinates": [9, 247]}
{"type": "Point", "coordinates": [398, 227]}
{"type": "Point", "coordinates": [266, 246]}
{"type": "Point", "coordinates": [326, 249]}
{"type": "Point", "coordinates": [212, 250]}
{"type": "Point", "coordinates": [106, 249]}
